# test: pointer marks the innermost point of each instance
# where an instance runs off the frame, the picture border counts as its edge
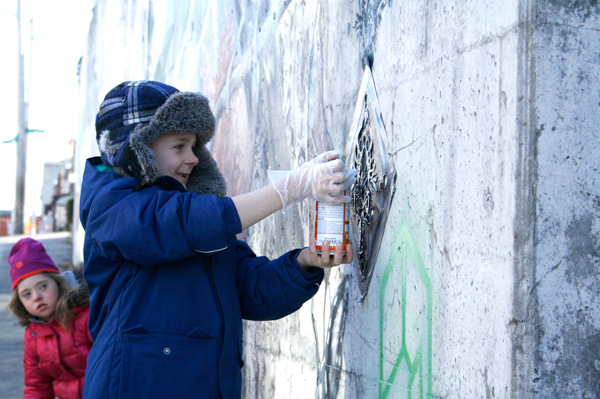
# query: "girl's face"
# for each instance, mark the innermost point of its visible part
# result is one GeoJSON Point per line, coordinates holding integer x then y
{"type": "Point", "coordinates": [175, 155]}
{"type": "Point", "coordinates": [39, 294]}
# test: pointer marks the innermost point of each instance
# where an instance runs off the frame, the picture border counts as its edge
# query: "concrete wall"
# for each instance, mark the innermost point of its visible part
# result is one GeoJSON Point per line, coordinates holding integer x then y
{"type": "Point", "coordinates": [568, 199]}
{"type": "Point", "coordinates": [487, 278]}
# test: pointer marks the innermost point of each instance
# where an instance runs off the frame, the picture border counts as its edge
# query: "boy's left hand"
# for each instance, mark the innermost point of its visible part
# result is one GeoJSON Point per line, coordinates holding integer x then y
{"type": "Point", "coordinates": [308, 257]}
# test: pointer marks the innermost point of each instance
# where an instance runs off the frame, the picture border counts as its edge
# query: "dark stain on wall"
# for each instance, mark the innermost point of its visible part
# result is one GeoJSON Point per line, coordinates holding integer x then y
{"type": "Point", "coordinates": [582, 356]}
{"type": "Point", "coordinates": [590, 366]}
{"type": "Point", "coordinates": [569, 6]}
{"type": "Point", "coordinates": [582, 251]}
{"type": "Point", "coordinates": [328, 381]}
{"type": "Point", "coordinates": [577, 345]}
{"type": "Point", "coordinates": [367, 22]}
{"type": "Point", "coordinates": [580, 9]}
{"type": "Point", "coordinates": [578, 369]}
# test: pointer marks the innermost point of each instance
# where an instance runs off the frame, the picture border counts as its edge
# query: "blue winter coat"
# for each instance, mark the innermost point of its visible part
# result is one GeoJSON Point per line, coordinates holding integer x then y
{"type": "Point", "coordinates": [169, 285]}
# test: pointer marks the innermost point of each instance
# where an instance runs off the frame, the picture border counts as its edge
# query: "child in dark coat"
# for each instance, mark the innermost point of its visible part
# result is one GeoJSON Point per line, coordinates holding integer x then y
{"type": "Point", "coordinates": [169, 281]}
{"type": "Point", "coordinates": [57, 340]}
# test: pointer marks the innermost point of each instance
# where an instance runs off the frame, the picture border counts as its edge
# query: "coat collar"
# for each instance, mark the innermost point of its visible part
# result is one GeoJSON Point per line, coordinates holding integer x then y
{"type": "Point", "coordinates": [42, 328]}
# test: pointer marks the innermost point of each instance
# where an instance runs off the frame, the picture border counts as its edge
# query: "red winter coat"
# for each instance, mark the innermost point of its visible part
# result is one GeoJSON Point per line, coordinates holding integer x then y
{"type": "Point", "coordinates": [55, 358]}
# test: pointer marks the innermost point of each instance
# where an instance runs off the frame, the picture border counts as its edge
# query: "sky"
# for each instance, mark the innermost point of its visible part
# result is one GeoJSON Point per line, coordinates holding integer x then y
{"type": "Point", "coordinates": [54, 35]}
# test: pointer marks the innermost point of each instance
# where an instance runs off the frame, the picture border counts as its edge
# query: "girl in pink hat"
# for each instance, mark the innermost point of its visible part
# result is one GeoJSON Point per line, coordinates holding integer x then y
{"type": "Point", "coordinates": [55, 314]}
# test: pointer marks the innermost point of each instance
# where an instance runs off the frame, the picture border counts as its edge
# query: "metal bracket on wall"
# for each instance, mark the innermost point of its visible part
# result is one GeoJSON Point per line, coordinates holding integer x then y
{"type": "Point", "coordinates": [371, 195]}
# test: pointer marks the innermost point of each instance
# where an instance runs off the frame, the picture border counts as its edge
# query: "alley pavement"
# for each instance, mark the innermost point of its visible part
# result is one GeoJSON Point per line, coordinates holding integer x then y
{"type": "Point", "coordinates": [59, 247]}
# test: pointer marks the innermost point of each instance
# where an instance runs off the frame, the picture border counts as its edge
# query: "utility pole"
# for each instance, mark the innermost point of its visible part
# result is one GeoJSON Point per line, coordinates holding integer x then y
{"type": "Point", "coordinates": [21, 135]}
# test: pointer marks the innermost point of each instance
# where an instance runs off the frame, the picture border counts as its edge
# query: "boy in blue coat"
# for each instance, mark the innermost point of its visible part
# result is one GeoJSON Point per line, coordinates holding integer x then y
{"type": "Point", "coordinates": [169, 282]}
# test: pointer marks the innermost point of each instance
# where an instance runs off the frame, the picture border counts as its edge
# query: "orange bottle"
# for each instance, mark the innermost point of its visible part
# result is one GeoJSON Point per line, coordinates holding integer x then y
{"type": "Point", "coordinates": [331, 224]}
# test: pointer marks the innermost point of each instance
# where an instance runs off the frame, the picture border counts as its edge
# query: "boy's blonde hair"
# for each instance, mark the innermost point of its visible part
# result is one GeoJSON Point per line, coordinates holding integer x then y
{"type": "Point", "coordinates": [69, 297]}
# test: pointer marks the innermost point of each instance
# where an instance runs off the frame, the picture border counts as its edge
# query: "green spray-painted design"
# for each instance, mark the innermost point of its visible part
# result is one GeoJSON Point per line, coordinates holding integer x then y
{"type": "Point", "coordinates": [419, 368]}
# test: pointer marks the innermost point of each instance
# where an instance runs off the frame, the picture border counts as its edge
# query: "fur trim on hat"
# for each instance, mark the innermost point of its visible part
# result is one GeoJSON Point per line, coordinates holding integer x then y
{"type": "Point", "coordinates": [107, 146]}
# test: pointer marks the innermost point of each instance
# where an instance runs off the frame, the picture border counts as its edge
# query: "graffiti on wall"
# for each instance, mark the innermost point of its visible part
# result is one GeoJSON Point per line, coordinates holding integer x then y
{"type": "Point", "coordinates": [406, 372]}
{"type": "Point", "coordinates": [375, 182]}
{"type": "Point", "coordinates": [405, 306]}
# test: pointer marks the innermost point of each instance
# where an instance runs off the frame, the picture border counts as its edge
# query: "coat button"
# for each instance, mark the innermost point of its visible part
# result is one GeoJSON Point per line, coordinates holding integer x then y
{"type": "Point", "coordinates": [167, 351]}
{"type": "Point", "coordinates": [34, 334]}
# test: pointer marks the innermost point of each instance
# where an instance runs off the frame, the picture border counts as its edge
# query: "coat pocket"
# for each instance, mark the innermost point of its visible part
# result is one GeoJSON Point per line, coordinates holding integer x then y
{"type": "Point", "coordinates": [168, 366]}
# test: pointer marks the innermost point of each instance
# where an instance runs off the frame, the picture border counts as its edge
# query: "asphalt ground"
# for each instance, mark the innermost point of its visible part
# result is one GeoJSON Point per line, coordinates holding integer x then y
{"type": "Point", "coordinates": [59, 247]}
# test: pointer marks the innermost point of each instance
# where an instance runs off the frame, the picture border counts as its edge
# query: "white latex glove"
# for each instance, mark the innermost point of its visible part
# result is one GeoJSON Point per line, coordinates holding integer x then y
{"type": "Point", "coordinates": [323, 178]}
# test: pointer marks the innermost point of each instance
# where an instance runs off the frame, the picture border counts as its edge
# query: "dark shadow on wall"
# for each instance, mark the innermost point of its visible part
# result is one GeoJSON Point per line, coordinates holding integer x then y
{"type": "Point", "coordinates": [328, 379]}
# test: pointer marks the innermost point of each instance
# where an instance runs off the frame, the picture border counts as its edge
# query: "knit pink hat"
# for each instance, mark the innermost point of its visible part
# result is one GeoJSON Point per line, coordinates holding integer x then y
{"type": "Point", "coordinates": [28, 257]}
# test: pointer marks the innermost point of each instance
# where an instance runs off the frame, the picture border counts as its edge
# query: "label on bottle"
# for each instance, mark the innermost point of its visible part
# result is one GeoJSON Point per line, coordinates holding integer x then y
{"type": "Point", "coordinates": [331, 224]}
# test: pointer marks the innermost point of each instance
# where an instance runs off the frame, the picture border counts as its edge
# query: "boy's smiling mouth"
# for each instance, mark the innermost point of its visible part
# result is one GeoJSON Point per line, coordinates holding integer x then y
{"type": "Point", "coordinates": [183, 178]}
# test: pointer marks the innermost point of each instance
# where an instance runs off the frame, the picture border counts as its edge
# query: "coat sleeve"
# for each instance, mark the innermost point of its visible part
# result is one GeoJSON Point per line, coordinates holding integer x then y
{"type": "Point", "coordinates": [152, 226]}
{"type": "Point", "coordinates": [272, 289]}
{"type": "Point", "coordinates": [38, 384]}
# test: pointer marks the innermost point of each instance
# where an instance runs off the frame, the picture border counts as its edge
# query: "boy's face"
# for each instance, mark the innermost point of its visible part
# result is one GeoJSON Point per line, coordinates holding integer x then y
{"type": "Point", "coordinates": [175, 156]}
{"type": "Point", "coordinates": [39, 294]}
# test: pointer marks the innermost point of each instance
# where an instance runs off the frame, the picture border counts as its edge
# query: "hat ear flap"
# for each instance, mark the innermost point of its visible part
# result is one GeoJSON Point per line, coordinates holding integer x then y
{"type": "Point", "coordinates": [143, 156]}
{"type": "Point", "coordinates": [106, 145]}
{"type": "Point", "coordinates": [206, 178]}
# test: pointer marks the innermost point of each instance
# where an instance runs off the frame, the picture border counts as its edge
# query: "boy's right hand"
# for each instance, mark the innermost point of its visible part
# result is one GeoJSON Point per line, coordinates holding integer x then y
{"type": "Point", "coordinates": [323, 178]}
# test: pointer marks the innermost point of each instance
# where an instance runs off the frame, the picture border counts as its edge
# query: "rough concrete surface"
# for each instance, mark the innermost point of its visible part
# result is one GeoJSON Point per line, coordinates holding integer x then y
{"type": "Point", "coordinates": [568, 200]}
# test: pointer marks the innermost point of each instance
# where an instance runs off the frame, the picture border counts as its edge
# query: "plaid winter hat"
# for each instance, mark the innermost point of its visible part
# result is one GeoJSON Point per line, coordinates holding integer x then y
{"type": "Point", "coordinates": [134, 114]}
{"type": "Point", "coordinates": [27, 258]}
